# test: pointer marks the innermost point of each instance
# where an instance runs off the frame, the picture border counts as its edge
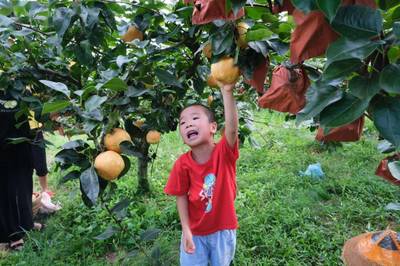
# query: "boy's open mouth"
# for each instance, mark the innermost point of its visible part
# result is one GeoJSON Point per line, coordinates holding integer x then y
{"type": "Point", "coordinates": [191, 134]}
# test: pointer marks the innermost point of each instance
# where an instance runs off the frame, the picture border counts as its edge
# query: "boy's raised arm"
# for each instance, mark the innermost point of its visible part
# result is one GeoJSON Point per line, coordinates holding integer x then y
{"type": "Point", "coordinates": [231, 114]}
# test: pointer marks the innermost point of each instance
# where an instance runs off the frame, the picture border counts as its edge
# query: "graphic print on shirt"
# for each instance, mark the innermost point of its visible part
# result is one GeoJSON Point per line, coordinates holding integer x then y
{"type": "Point", "coordinates": [207, 192]}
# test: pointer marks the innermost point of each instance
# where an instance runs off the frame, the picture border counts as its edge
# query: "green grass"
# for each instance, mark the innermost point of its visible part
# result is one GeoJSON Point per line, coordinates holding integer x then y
{"type": "Point", "coordinates": [285, 219]}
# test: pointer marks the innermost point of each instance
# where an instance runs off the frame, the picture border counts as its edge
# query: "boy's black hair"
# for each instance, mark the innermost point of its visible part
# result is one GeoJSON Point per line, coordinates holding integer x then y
{"type": "Point", "coordinates": [210, 114]}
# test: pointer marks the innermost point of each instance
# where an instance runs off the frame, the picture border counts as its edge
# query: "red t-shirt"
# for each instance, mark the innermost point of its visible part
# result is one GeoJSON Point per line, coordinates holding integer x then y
{"type": "Point", "coordinates": [211, 188]}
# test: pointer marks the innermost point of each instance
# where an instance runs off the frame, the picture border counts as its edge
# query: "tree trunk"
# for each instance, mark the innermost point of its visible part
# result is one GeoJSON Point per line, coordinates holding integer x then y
{"type": "Point", "coordinates": [143, 163]}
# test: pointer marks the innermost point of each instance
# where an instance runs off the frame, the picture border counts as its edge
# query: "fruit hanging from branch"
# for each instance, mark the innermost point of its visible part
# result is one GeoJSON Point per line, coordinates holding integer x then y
{"type": "Point", "coordinates": [242, 28]}
{"type": "Point", "coordinates": [131, 34]}
{"type": "Point", "coordinates": [225, 70]}
{"type": "Point", "coordinates": [153, 137]}
{"type": "Point", "coordinates": [109, 165]}
{"type": "Point", "coordinates": [113, 139]}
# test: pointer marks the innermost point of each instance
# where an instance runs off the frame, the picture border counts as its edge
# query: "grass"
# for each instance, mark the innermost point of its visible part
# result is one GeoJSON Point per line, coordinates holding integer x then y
{"type": "Point", "coordinates": [285, 219]}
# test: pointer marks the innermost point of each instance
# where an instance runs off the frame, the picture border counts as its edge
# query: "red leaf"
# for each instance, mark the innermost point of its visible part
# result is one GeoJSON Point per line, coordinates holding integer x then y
{"type": "Point", "coordinates": [206, 11]}
{"type": "Point", "coordinates": [383, 169]}
{"type": "Point", "coordinates": [283, 95]}
{"type": "Point", "coordinates": [350, 132]}
{"type": "Point", "coordinates": [259, 75]}
{"type": "Point", "coordinates": [286, 6]}
{"type": "Point", "coordinates": [312, 36]}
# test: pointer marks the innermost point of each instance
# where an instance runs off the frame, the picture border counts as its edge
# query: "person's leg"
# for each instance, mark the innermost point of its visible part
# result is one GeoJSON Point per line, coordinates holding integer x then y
{"type": "Point", "coordinates": [18, 205]}
{"type": "Point", "coordinates": [201, 255]}
{"type": "Point", "coordinates": [222, 246]}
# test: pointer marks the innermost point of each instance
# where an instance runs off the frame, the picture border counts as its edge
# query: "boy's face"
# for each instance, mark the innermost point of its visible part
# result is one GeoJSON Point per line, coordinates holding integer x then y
{"type": "Point", "coordinates": [195, 127]}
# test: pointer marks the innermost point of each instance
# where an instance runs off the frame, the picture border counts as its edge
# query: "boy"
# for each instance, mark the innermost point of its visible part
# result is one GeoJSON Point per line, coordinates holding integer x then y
{"type": "Point", "coordinates": [204, 183]}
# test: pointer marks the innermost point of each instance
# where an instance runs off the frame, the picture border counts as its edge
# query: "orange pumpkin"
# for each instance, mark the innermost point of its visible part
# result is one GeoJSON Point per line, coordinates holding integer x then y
{"type": "Point", "coordinates": [373, 249]}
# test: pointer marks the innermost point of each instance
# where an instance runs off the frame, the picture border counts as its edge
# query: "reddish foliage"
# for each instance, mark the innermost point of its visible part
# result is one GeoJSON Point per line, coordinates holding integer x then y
{"type": "Point", "coordinates": [205, 11]}
{"type": "Point", "coordinates": [383, 169]}
{"type": "Point", "coordinates": [312, 36]}
{"type": "Point", "coordinates": [350, 132]}
{"type": "Point", "coordinates": [259, 75]}
{"type": "Point", "coordinates": [287, 91]}
{"type": "Point", "coordinates": [286, 6]}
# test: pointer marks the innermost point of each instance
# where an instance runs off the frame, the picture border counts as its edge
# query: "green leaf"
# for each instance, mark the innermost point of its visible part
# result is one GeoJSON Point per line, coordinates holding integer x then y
{"type": "Point", "coordinates": [345, 48]}
{"type": "Point", "coordinates": [121, 60]}
{"type": "Point", "coordinates": [56, 106]}
{"type": "Point", "coordinates": [237, 5]}
{"type": "Point", "coordinates": [5, 21]}
{"type": "Point", "coordinates": [385, 146]}
{"type": "Point", "coordinates": [83, 53]}
{"type": "Point", "coordinates": [343, 112]}
{"type": "Point", "coordinates": [393, 54]}
{"type": "Point", "coordinates": [396, 29]}
{"type": "Point", "coordinates": [389, 79]}
{"type": "Point", "coordinates": [74, 144]}
{"type": "Point", "coordinates": [364, 87]}
{"type": "Point", "coordinates": [318, 96]}
{"type": "Point", "coordinates": [134, 92]}
{"type": "Point", "coordinates": [221, 41]}
{"type": "Point", "coordinates": [90, 184]}
{"type": "Point", "coordinates": [128, 149]}
{"type": "Point", "coordinates": [69, 156]}
{"type": "Point", "coordinates": [305, 5]}
{"type": "Point", "coordinates": [260, 47]}
{"type": "Point", "coordinates": [57, 86]}
{"type": "Point", "coordinates": [18, 140]}
{"type": "Point", "coordinates": [61, 20]}
{"type": "Point", "coordinates": [115, 84]}
{"type": "Point", "coordinates": [120, 208]}
{"type": "Point", "coordinates": [89, 16]}
{"type": "Point", "coordinates": [341, 69]}
{"type": "Point", "coordinates": [121, 205]}
{"type": "Point", "coordinates": [387, 4]}
{"type": "Point", "coordinates": [150, 234]}
{"type": "Point", "coordinates": [329, 7]}
{"type": "Point", "coordinates": [255, 12]}
{"type": "Point", "coordinates": [166, 77]}
{"type": "Point", "coordinates": [109, 232]}
{"type": "Point", "coordinates": [386, 115]}
{"type": "Point", "coordinates": [258, 34]}
{"type": "Point", "coordinates": [94, 102]}
{"type": "Point", "coordinates": [394, 168]}
{"type": "Point", "coordinates": [75, 174]}
{"type": "Point", "coordinates": [127, 163]}
{"type": "Point", "coordinates": [358, 22]}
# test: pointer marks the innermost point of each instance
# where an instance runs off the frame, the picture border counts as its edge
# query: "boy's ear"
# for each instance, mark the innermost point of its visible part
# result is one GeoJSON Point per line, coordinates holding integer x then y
{"type": "Point", "coordinates": [214, 127]}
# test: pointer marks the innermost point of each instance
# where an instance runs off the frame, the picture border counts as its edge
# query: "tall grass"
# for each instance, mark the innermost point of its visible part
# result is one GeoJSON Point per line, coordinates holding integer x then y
{"type": "Point", "coordinates": [285, 219]}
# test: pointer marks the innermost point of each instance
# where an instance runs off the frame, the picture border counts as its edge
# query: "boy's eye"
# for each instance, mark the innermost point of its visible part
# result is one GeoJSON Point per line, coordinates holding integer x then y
{"type": "Point", "coordinates": [182, 123]}
{"type": "Point", "coordinates": [195, 118]}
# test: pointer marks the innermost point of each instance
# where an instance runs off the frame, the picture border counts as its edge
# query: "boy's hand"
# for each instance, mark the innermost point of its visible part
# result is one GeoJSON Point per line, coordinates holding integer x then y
{"type": "Point", "coordinates": [188, 244]}
{"type": "Point", "coordinates": [226, 87]}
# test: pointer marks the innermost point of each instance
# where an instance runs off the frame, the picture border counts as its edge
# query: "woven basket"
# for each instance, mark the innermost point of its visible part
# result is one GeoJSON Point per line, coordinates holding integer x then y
{"type": "Point", "coordinates": [36, 203]}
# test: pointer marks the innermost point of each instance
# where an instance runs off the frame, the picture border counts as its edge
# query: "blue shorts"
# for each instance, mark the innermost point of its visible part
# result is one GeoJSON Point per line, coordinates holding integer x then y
{"type": "Point", "coordinates": [217, 248]}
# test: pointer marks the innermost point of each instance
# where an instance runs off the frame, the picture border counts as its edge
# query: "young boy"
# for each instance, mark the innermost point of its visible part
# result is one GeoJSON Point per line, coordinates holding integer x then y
{"type": "Point", "coordinates": [204, 183]}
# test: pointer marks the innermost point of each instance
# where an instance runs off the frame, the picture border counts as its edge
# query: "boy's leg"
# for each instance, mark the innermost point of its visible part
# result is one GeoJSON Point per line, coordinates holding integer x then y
{"type": "Point", "coordinates": [200, 255]}
{"type": "Point", "coordinates": [222, 246]}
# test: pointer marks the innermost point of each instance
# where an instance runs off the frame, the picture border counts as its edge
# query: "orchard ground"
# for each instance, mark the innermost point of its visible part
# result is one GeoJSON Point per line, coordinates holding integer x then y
{"type": "Point", "coordinates": [285, 219]}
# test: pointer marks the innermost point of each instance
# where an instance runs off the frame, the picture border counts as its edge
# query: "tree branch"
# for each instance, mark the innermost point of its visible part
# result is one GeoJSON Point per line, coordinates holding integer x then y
{"type": "Point", "coordinates": [31, 28]}
{"type": "Point", "coordinates": [60, 75]}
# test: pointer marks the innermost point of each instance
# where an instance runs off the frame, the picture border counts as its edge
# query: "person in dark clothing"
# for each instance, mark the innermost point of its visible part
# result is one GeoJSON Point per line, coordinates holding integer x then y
{"type": "Point", "coordinates": [15, 175]}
